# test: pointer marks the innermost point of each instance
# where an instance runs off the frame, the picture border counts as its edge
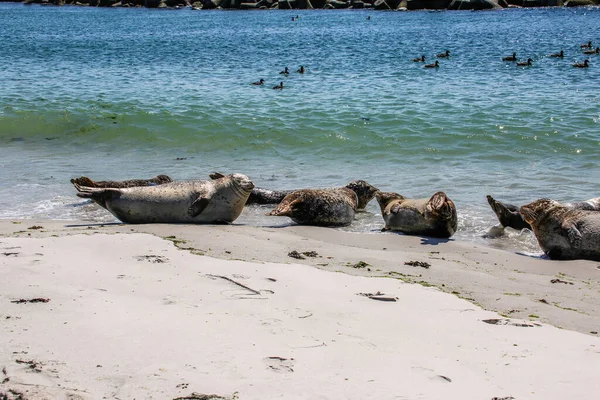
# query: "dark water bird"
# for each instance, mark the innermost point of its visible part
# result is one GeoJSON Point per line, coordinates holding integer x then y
{"type": "Point", "coordinates": [445, 54]}
{"type": "Point", "coordinates": [280, 86]}
{"type": "Point", "coordinates": [419, 59]}
{"type": "Point", "coordinates": [587, 45]}
{"type": "Point", "coordinates": [368, 18]}
{"type": "Point", "coordinates": [584, 64]}
{"type": "Point", "coordinates": [301, 69]}
{"type": "Point", "coordinates": [558, 55]}
{"type": "Point", "coordinates": [510, 58]}
{"type": "Point", "coordinates": [525, 63]}
{"type": "Point", "coordinates": [595, 51]}
{"type": "Point", "coordinates": [285, 71]}
{"type": "Point", "coordinates": [434, 65]}
{"type": "Point", "coordinates": [261, 82]}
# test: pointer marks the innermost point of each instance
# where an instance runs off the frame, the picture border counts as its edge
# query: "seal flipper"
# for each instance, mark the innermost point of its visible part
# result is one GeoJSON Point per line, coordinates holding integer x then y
{"type": "Point", "coordinates": [573, 235]}
{"type": "Point", "coordinates": [198, 206]}
{"type": "Point", "coordinates": [508, 214]}
{"type": "Point", "coordinates": [98, 195]}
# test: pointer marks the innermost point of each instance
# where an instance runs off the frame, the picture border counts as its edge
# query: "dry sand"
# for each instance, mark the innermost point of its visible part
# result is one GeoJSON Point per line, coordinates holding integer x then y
{"type": "Point", "coordinates": [164, 311]}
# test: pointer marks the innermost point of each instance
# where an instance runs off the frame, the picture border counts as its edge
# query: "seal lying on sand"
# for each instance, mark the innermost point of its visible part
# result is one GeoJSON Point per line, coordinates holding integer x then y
{"type": "Point", "coordinates": [434, 217]}
{"type": "Point", "coordinates": [509, 216]}
{"type": "Point", "coordinates": [320, 207]}
{"type": "Point", "coordinates": [218, 200]}
{"type": "Point", "coordinates": [85, 181]}
{"type": "Point", "coordinates": [562, 232]}
{"type": "Point", "coordinates": [364, 191]}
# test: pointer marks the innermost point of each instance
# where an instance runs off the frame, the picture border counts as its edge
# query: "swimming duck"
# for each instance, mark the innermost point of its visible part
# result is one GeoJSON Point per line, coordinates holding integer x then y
{"type": "Point", "coordinates": [584, 64]}
{"type": "Point", "coordinates": [419, 59]}
{"type": "Point", "coordinates": [285, 71]}
{"type": "Point", "coordinates": [434, 65]}
{"type": "Point", "coordinates": [558, 55]}
{"type": "Point", "coordinates": [587, 45]}
{"type": "Point", "coordinates": [525, 63]}
{"type": "Point", "coordinates": [261, 82]}
{"type": "Point", "coordinates": [510, 58]}
{"type": "Point", "coordinates": [446, 54]}
{"type": "Point", "coordinates": [280, 86]}
{"type": "Point", "coordinates": [301, 69]}
{"type": "Point", "coordinates": [596, 51]}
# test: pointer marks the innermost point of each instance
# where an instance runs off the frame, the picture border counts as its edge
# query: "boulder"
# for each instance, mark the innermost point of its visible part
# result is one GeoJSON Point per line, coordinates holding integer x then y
{"type": "Point", "coordinates": [427, 4]}
{"type": "Point", "coordinates": [386, 4]}
{"type": "Point", "coordinates": [579, 3]}
{"type": "Point", "coordinates": [474, 5]}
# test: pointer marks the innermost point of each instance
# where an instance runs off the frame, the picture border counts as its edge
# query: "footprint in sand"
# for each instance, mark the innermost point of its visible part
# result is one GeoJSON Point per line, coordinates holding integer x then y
{"type": "Point", "coordinates": [280, 364]}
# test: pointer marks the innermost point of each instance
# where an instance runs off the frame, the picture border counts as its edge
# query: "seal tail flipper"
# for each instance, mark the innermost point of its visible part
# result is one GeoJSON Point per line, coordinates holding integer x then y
{"type": "Point", "coordinates": [198, 206]}
{"type": "Point", "coordinates": [508, 215]}
{"type": "Point", "coordinates": [98, 195]}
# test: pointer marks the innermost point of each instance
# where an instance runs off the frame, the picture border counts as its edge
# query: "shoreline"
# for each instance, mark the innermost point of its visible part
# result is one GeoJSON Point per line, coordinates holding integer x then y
{"type": "Point", "coordinates": [180, 311]}
{"type": "Point", "coordinates": [512, 284]}
{"type": "Point", "coordinates": [376, 5]}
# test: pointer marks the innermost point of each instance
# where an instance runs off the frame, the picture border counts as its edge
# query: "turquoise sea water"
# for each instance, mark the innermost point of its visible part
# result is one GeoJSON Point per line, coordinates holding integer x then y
{"type": "Point", "coordinates": [131, 93]}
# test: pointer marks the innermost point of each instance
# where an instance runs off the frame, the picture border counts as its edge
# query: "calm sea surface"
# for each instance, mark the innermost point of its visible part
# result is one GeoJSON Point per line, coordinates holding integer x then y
{"type": "Point", "coordinates": [132, 93]}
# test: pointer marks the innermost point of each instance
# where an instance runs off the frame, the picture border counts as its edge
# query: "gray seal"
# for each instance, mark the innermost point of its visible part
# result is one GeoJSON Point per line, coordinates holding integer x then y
{"type": "Point", "coordinates": [219, 200]}
{"type": "Point", "coordinates": [319, 207]}
{"type": "Point", "coordinates": [87, 182]}
{"type": "Point", "coordinates": [562, 232]}
{"type": "Point", "coordinates": [509, 216]}
{"type": "Point", "coordinates": [435, 216]}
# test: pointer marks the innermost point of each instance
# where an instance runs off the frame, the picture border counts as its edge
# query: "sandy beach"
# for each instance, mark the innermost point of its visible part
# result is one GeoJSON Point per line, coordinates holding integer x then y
{"type": "Point", "coordinates": [236, 312]}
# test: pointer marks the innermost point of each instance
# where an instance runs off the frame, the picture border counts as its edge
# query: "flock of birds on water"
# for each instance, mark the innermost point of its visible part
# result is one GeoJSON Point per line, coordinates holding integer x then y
{"type": "Point", "coordinates": [586, 48]}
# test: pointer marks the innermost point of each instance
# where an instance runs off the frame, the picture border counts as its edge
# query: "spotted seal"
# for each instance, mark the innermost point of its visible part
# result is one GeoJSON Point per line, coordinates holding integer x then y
{"type": "Point", "coordinates": [364, 191]}
{"type": "Point", "coordinates": [562, 232]}
{"type": "Point", "coordinates": [218, 200]}
{"type": "Point", "coordinates": [509, 217]}
{"type": "Point", "coordinates": [434, 216]}
{"type": "Point", "coordinates": [320, 207]}
{"type": "Point", "coordinates": [158, 180]}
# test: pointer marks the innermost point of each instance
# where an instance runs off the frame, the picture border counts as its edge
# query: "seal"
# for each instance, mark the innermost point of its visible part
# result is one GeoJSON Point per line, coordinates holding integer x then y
{"type": "Point", "coordinates": [319, 207]}
{"type": "Point", "coordinates": [434, 216]}
{"type": "Point", "coordinates": [364, 191]}
{"type": "Point", "coordinates": [85, 181]}
{"type": "Point", "coordinates": [562, 232]}
{"type": "Point", "coordinates": [509, 216]}
{"type": "Point", "coordinates": [215, 201]}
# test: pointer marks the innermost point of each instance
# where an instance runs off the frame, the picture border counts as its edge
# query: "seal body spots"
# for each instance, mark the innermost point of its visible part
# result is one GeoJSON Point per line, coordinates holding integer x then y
{"type": "Point", "coordinates": [562, 232]}
{"type": "Point", "coordinates": [85, 181]}
{"type": "Point", "coordinates": [320, 207]}
{"type": "Point", "coordinates": [218, 200]}
{"type": "Point", "coordinates": [435, 216]}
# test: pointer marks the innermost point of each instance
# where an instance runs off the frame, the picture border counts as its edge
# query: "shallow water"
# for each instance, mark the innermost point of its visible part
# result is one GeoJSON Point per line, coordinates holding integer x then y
{"type": "Point", "coordinates": [131, 93]}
